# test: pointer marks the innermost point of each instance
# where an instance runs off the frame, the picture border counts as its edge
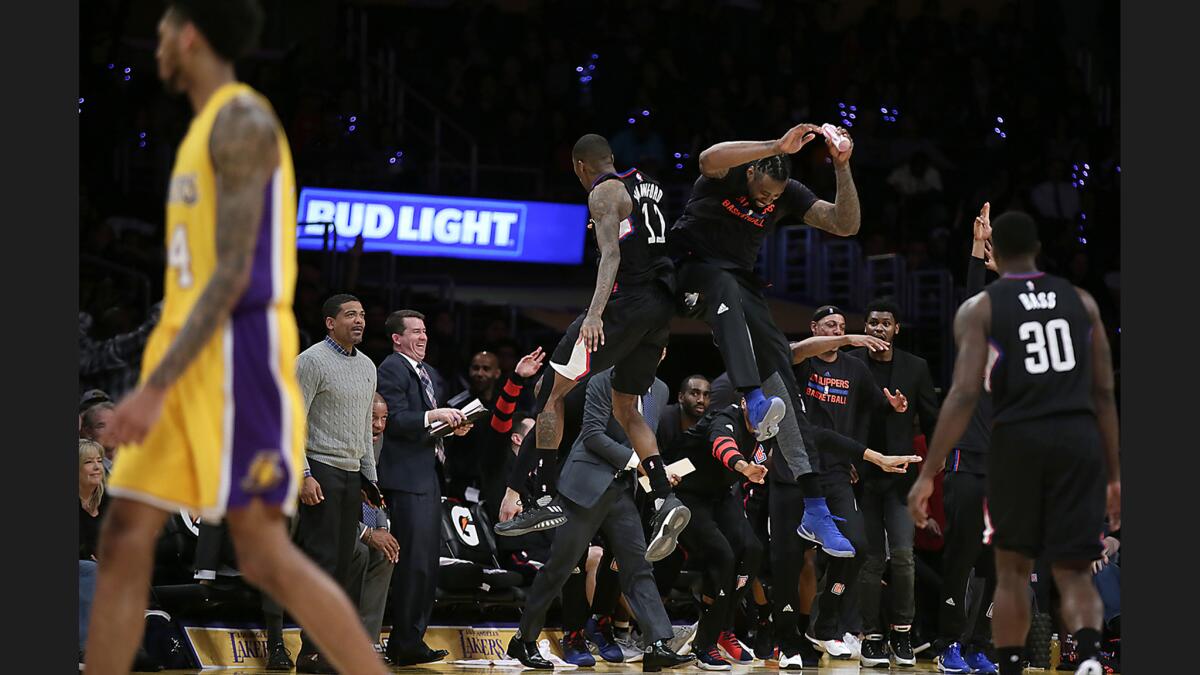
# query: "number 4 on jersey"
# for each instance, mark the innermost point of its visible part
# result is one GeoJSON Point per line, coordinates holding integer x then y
{"type": "Point", "coordinates": [178, 256]}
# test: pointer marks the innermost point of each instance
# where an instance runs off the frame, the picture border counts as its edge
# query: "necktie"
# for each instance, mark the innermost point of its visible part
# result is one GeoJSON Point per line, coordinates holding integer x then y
{"type": "Point", "coordinates": [427, 384]}
{"type": "Point", "coordinates": [648, 410]}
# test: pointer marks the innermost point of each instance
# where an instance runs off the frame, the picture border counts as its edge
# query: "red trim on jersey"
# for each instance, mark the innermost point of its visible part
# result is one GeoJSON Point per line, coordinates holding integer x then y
{"type": "Point", "coordinates": [506, 406]}
{"type": "Point", "coordinates": [512, 389]}
{"type": "Point", "coordinates": [501, 426]}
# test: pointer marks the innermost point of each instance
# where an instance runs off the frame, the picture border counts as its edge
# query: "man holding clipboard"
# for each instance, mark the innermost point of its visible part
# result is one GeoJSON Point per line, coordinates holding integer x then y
{"type": "Point", "coordinates": [596, 487]}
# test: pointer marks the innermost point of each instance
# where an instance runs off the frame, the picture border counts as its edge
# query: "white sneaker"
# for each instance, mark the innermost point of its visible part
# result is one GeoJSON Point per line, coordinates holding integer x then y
{"type": "Point", "coordinates": [836, 649]}
{"type": "Point", "coordinates": [790, 662]}
{"type": "Point", "coordinates": [853, 644]}
{"type": "Point", "coordinates": [1090, 667]}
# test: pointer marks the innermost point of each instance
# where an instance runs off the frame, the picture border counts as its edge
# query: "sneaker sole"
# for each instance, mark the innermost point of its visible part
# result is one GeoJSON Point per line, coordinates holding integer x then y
{"type": "Point", "coordinates": [805, 534]}
{"type": "Point", "coordinates": [910, 663]}
{"type": "Point", "coordinates": [705, 666]}
{"type": "Point", "coordinates": [769, 426]}
{"type": "Point", "coordinates": [875, 663]}
{"type": "Point", "coordinates": [548, 524]}
{"type": "Point", "coordinates": [791, 666]}
{"type": "Point", "coordinates": [663, 543]}
{"type": "Point", "coordinates": [943, 669]}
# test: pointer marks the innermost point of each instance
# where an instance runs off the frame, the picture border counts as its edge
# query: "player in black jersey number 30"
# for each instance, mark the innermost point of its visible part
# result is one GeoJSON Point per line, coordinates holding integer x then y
{"type": "Point", "coordinates": [626, 327]}
{"type": "Point", "coordinates": [1037, 344]}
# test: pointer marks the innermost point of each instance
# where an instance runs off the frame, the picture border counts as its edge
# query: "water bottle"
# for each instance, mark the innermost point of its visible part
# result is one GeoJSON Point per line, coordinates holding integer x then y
{"type": "Point", "coordinates": [1055, 652]}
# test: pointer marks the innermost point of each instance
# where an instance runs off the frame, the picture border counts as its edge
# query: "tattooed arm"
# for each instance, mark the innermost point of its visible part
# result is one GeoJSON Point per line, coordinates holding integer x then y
{"type": "Point", "coordinates": [842, 217]}
{"type": "Point", "coordinates": [244, 155]}
{"type": "Point", "coordinates": [609, 204]}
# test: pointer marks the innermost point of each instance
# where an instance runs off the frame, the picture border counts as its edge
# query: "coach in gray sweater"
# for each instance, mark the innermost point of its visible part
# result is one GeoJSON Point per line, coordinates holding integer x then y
{"type": "Point", "coordinates": [338, 384]}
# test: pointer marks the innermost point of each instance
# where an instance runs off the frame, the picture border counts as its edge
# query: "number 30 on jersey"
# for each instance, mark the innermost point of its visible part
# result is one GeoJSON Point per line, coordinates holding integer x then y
{"type": "Point", "coordinates": [1048, 346]}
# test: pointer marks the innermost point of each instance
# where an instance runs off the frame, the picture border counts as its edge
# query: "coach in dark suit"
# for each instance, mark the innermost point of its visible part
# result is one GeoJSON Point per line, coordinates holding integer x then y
{"type": "Point", "coordinates": [884, 496]}
{"type": "Point", "coordinates": [408, 477]}
{"type": "Point", "coordinates": [596, 488]}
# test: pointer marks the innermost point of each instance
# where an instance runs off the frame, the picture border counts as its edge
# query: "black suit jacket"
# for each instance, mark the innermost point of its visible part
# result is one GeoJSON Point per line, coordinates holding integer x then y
{"type": "Point", "coordinates": [407, 461]}
{"type": "Point", "coordinates": [910, 374]}
{"type": "Point", "coordinates": [602, 449]}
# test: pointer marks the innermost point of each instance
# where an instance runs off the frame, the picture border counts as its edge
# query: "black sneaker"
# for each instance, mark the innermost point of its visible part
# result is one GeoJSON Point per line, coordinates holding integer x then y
{"type": "Point", "coordinates": [763, 641]}
{"type": "Point", "coordinates": [874, 652]}
{"type": "Point", "coordinates": [527, 653]}
{"type": "Point", "coordinates": [533, 519]}
{"type": "Point", "coordinates": [902, 650]}
{"type": "Point", "coordinates": [279, 659]}
{"type": "Point", "coordinates": [669, 520]}
{"type": "Point", "coordinates": [659, 656]}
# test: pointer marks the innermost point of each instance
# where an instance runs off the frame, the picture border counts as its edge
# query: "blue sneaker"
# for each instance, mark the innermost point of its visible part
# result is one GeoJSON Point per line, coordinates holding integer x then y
{"type": "Point", "coordinates": [575, 650]}
{"type": "Point", "coordinates": [765, 414]}
{"type": "Point", "coordinates": [979, 663]}
{"type": "Point", "coordinates": [600, 634]}
{"type": "Point", "coordinates": [818, 526]}
{"type": "Point", "coordinates": [951, 660]}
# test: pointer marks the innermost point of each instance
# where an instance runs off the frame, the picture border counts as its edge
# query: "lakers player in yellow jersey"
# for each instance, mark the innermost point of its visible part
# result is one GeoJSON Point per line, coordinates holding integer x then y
{"type": "Point", "coordinates": [216, 425]}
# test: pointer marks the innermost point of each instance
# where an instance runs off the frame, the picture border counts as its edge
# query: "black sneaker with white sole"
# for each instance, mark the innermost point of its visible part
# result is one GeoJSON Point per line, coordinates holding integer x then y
{"type": "Point", "coordinates": [901, 644]}
{"type": "Point", "coordinates": [669, 520]}
{"type": "Point", "coordinates": [874, 652]}
{"type": "Point", "coordinates": [533, 519]}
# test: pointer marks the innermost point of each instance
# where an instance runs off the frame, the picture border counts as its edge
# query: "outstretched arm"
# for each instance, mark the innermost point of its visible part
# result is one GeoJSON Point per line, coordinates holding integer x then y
{"type": "Point", "coordinates": [609, 204]}
{"type": "Point", "coordinates": [843, 216]}
{"type": "Point", "coordinates": [717, 160]}
{"type": "Point", "coordinates": [819, 344]}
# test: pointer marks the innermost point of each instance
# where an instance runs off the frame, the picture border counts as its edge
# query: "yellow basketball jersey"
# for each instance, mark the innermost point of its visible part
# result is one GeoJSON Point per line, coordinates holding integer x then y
{"type": "Point", "coordinates": [191, 225]}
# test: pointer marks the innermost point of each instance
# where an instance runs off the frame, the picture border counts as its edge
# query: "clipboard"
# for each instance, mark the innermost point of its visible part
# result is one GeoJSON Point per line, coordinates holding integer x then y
{"type": "Point", "coordinates": [681, 468]}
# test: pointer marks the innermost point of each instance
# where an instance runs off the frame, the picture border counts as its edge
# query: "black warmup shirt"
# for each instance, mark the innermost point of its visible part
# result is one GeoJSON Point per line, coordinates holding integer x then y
{"type": "Point", "coordinates": [970, 453]}
{"type": "Point", "coordinates": [720, 223]}
{"type": "Point", "coordinates": [841, 396]}
{"type": "Point", "coordinates": [1041, 343]}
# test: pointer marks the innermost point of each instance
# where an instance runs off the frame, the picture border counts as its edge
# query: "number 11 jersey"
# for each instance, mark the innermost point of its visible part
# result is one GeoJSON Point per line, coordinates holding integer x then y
{"type": "Point", "coordinates": [1039, 349]}
{"type": "Point", "coordinates": [643, 235]}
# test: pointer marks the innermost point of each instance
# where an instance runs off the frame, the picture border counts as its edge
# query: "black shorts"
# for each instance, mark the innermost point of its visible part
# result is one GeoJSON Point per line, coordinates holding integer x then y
{"type": "Point", "coordinates": [1046, 488]}
{"type": "Point", "coordinates": [636, 329]}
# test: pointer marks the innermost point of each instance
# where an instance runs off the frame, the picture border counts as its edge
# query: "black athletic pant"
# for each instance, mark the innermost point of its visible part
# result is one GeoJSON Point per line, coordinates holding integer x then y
{"type": "Point", "coordinates": [755, 351]}
{"type": "Point", "coordinates": [835, 608]}
{"type": "Point", "coordinates": [786, 506]}
{"type": "Point", "coordinates": [726, 548]}
{"type": "Point", "coordinates": [328, 531]}
{"type": "Point", "coordinates": [963, 495]}
{"type": "Point", "coordinates": [884, 502]}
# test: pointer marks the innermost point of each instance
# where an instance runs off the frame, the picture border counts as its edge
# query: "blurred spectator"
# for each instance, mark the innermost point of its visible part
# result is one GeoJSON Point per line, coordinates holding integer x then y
{"type": "Point", "coordinates": [91, 510]}
{"type": "Point", "coordinates": [94, 426]}
{"type": "Point", "coordinates": [113, 365]}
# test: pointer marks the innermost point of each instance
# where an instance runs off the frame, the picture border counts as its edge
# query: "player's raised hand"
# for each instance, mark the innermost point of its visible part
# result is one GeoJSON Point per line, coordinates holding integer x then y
{"type": "Point", "coordinates": [982, 229]}
{"type": "Point", "coordinates": [592, 333]}
{"type": "Point", "coordinates": [989, 261]}
{"type": "Point", "coordinates": [870, 342]}
{"type": "Point", "coordinates": [898, 400]}
{"type": "Point", "coordinates": [840, 158]}
{"type": "Point", "coordinates": [530, 363]}
{"type": "Point", "coordinates": [797, 137]}
{"type": "Point", "coordinates": [918, 501]}
{"type": "Point", "coordinates": [133, 416]}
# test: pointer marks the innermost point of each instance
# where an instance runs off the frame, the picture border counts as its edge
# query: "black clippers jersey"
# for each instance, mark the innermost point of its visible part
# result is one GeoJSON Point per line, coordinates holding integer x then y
{"type": "Point", "coordinates": [1040, 349]}
{"type": "Point", "coordinates": [643, 235]}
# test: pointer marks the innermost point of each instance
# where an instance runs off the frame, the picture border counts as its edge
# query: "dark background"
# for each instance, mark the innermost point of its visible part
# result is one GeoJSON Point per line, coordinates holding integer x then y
{"type": "Point", "coordinates": [486, 99]}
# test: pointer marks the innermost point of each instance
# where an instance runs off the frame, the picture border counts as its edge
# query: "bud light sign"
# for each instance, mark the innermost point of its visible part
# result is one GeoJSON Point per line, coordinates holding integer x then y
{"type": "Point", "coordinates": [450, 227]}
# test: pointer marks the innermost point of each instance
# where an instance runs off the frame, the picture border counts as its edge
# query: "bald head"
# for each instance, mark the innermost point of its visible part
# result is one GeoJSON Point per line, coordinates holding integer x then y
{"type": "Point", "coordinates": [592, 149]}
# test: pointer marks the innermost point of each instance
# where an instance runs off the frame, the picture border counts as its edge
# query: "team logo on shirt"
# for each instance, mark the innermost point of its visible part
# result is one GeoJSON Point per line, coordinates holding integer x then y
{"type": "Point", "coordinates": [183, 189]}
{"type": "Point", "coordinates": [828, 389]}
{"type": "Point", "coordinates": [838, 589]}
{"type": "Point", "coordinates": [263, 473]}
